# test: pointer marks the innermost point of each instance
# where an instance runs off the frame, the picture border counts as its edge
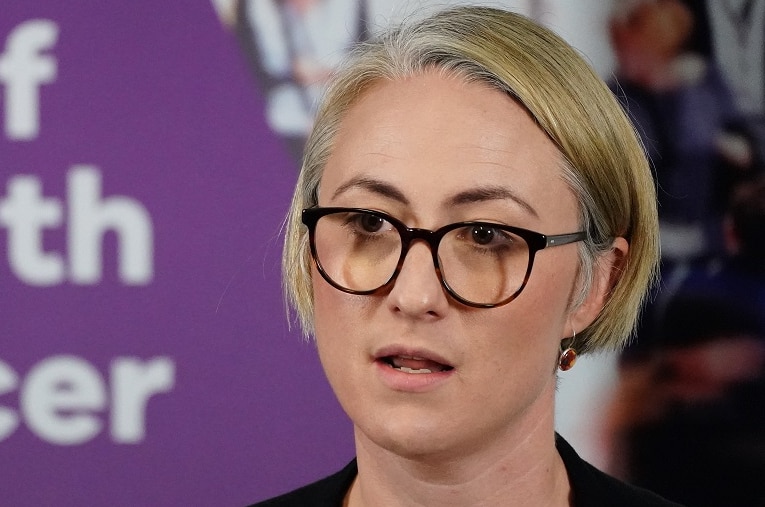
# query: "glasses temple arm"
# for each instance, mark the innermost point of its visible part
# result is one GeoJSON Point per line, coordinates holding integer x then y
{"type": "Point", "coordinates": [564, 239]}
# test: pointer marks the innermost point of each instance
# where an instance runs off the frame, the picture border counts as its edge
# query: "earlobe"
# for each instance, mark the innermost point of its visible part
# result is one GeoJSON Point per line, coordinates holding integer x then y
{"type": "Point", "coordinates": [606, 272]}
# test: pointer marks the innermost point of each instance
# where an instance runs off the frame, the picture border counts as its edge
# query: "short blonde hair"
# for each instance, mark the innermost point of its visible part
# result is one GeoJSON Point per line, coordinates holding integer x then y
{"type": "Point", "coordinates": [603, 160]}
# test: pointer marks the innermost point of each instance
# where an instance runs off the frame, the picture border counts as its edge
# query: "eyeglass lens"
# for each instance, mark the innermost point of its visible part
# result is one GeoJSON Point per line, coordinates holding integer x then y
{"type": "Point", "coordinates": [360, 251]}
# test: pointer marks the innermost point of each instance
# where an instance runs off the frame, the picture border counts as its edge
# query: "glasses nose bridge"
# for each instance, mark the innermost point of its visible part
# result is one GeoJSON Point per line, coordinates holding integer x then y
{"type": "Point", "coordinates": [411, 234]}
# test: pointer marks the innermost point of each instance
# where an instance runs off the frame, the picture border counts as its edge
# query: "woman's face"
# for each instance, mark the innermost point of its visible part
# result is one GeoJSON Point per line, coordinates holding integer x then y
{"type": "Point", "coordinates": [433, 150]}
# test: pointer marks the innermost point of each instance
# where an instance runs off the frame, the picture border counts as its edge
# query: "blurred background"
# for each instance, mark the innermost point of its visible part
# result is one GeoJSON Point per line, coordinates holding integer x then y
{"type": "Point", "coordinates": [147, 158]}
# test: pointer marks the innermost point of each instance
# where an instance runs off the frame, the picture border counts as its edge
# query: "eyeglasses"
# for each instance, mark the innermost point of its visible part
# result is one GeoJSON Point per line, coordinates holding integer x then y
{"type": "Point", "coordinates": [480, 264]}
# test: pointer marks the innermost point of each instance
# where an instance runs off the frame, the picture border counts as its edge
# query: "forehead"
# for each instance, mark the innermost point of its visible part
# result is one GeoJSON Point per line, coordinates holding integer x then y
{"type": "Point", "coordinates": [434, 135]}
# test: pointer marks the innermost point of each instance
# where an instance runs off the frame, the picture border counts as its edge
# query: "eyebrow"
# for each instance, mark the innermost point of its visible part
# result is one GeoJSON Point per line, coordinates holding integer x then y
{"type": "Point", "coordinates": [474, 195]}
{"type": "Point", "coordinates": [375, 186]}
{"type": "Point", "coordinates": [491, 193]}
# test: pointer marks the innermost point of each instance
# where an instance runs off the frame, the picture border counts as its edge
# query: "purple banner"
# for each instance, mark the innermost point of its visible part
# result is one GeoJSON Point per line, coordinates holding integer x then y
{"type": "Point", "coordinates": [146, 357]}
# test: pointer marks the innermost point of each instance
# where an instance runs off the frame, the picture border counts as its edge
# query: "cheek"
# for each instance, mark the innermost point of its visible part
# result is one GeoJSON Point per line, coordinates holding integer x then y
{"type": "Point", "coordinates": [553, 283]}
{"type": "Point", "coordinates": [512, 360]}
{"type": "Point", "coordinates": [541, 315]}
{"type": "Point", "coordinates": [337, 328]}
{"type": "Point", "coordinates": [330, 318]}
{"type": "Point", "coordinates": [335, 312]}
{"type": "Point", "coordinates": [519, 343]}
{"type": "Point", "coordinates": [527, 331]}
{"type": "Point", "coordinates": [323, 301]}
{"type": "Point", "coordinates": [533, 324]}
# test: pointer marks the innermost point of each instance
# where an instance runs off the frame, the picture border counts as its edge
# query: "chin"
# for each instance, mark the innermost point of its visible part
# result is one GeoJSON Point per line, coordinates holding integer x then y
{"type": "Point", "coordinates": [413, 437]}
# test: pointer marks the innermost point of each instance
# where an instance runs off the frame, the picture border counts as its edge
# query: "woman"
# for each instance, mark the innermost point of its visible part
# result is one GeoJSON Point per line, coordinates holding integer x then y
{"type": "Point", "coordinates": [435, 154]}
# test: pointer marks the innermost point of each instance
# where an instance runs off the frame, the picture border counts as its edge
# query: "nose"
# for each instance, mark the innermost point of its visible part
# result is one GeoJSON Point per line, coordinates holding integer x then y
{"type": "Point", "coordinates": [417, 291]}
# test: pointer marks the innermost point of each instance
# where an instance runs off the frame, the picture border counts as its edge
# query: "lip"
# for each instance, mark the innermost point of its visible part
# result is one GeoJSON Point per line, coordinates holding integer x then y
{"type": "Point", "coordinates": [397, 380]}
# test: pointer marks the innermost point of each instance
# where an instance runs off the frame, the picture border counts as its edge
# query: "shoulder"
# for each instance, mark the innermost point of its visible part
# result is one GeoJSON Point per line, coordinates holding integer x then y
{"type": "Point", "coordinates": [593, 488]}
{"type": "Point", "coordinates": [327, 492]}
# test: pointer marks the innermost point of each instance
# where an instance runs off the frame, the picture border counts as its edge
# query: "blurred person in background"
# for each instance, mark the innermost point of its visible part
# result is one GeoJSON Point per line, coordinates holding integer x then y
{"type": "Point", "coordinates": [689, 416]}
{"type": "Point", "coordinates": [700, 144]}
{"type": "Point", "coordinates": [687, 117]}
{"type": "Point", "coordinates": [293, 46]}
{"type": "Point", "coordinates": [732, 34]}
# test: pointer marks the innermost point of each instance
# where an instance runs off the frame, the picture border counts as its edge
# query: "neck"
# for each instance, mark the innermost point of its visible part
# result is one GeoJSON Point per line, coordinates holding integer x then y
{"type": "Point", "coordinates": [520, 468]}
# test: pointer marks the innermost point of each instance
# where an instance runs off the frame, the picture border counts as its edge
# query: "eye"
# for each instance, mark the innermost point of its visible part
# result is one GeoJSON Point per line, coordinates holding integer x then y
{"type": "Point", "coordinates": [483, 235]}
{"type": "Point", "coordinates": [367, 225]}
{"type": "Point", "coordinates": [485, 238]}
{"type": "Point", "coordinates": [370, 223]}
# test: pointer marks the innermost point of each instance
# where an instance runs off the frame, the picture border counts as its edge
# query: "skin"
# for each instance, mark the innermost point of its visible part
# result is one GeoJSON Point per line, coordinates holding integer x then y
{"type": "Point", "coordinates": [484, 430]}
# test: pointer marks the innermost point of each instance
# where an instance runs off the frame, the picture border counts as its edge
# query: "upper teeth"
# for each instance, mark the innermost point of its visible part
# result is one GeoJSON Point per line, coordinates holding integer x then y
{"type": "Point", "coordinates": [409, 370]}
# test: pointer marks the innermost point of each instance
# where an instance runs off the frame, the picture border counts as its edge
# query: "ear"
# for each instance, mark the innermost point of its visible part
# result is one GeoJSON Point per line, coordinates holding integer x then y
{"type": "Point", "coordinates": [606, 272]}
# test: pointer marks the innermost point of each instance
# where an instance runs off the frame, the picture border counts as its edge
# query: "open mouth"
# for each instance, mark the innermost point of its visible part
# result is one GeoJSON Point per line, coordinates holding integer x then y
{"type": "Point", "coordinates": [413, 364]}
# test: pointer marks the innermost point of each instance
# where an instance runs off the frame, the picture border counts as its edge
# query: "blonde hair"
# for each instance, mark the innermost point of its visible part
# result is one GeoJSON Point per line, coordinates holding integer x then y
{"type": "Point", "coordinates": [603, 160]}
